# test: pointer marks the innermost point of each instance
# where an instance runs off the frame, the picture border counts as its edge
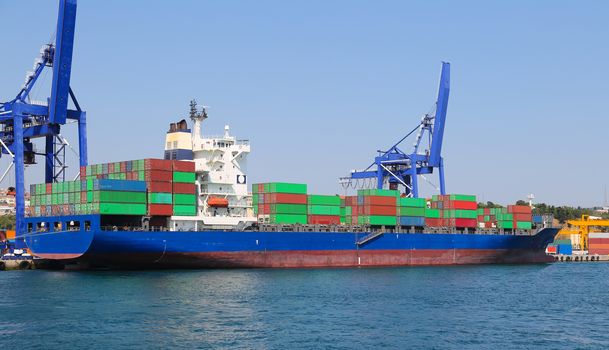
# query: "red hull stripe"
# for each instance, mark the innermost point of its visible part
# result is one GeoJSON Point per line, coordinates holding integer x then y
{"type": "Point", "coordinates": [310, 259]}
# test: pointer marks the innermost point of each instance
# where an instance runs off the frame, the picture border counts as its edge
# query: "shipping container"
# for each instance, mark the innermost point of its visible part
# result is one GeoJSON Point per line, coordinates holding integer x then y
{"type": "Point", "coordinates": [411, 221]}
{"type": "Point", "coordinates": [185, 177]}
{"type": "Point", "coordinates": [288, 219]}
{"type": "Point", "coordinates": [314, 199]}
{"type": "Point", "coordinates": [288, 208]}
{"type": "Point", "coordinates": [323, 210]}
{"type": "Point", "coordinates": [323, 219]}
{"type": "Point", "coordinates": [184, 210]}
{"type": "Point", "coordinates": [412, 202]}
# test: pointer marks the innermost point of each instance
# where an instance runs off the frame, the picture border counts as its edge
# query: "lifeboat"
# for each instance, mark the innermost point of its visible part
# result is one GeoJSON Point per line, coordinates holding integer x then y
{"type": "Point", "coordinates": [217, 202]}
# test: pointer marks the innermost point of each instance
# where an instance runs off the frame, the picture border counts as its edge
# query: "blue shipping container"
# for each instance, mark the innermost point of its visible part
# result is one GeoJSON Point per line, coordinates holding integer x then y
{"type": "Point", "coordinates": [412, 221]}
{"type": "Point", "coordinates": [537, 219]}
{"type": "Point", "coordinates": [119, 185]}
{"type": "Point", "coordinates": [565, 249]}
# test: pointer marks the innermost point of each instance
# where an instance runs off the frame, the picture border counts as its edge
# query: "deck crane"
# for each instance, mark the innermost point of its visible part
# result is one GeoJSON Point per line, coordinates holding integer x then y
{"type": "Point", "coordinates": [23, 120]}
{"type": "Point", "coordinates": [398, 168]}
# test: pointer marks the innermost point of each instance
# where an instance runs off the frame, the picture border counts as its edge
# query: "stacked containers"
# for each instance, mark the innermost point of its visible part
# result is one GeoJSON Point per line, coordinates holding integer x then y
{"type": "Point", "coordinates": [280, 202]}
{"type": "Point", "coordinates": [323, 209]}
{"type": "Point", "coordinates": [99, 196]}
{"type": "Point", "coordinates": [184, 189]}
{"type": "Point", "coordinates": [158, 176]}
{"type": "Point", "coordinates": [454, 210]}
{"type": "Point", "coordinates": [598, 243]}
{"type": "Point", "coordinates": [351, 210]}
{"type": "Point", "coordinates": [377, 207]}
{"type": "Point", "coordinates": [411, 211]}
{"type": "Point", "coordinates": [87, 196]}
{"type": "Point", "coordinates": [495, 218]}
{"type": "Point", "coordinates": [522, 216]}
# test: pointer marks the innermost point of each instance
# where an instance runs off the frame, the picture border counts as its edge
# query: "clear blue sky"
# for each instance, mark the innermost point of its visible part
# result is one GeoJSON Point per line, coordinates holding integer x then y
{"type": "Point", "coordinates": [318, 86]}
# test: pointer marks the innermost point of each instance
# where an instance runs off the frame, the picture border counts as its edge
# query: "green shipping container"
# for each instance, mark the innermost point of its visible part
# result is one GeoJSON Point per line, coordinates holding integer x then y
{"type": "Point", "coordinates": [465, 214]}
{"type": "Point", "coordinates": [504, 217]}
{"type": "Point", "coordinates": [377, 220]}
{"type": "Point", "coordinates": [288, 209]}
{"type": "Point", "coordinates": [184, 199]}
{"type": "Point", "coordinates": [185, 210]}
{"type": "Point", "coordinates": [412, 211]}
{"type": "Point", "coordinates": [314, 199]}
{"type": "Point", "coordinates": [288, 219]}
{"type": "Point", "coordinates": [119, 197]}
{"type": "Point", "coordinates": [181, 176]}
{"type": "Point", "coordinates": [412, 202]}
{"type": "Point", "coordinates": [160, 198]}
{"type": "Point", "coordinates": [324, 210]}
{"type": "Point", "coordinates": [122, 208]}
{"type": "Point", "coordinates": [505, 224]}
{"type": "Point", "coordinates": [524, 225]}
{"type": "Point", "coordinates": [255, 199]}
{"type": "Point", "coordinates": [284, 187]}
{"type": "Point", "coordinates": [462, 197]}
{"type": "Point", "coordinates": [432, 213]}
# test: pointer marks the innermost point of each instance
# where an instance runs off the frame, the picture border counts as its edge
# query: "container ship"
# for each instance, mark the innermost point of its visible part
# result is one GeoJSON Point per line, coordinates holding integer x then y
{"type": "Point", "coordinates": [195, 207]}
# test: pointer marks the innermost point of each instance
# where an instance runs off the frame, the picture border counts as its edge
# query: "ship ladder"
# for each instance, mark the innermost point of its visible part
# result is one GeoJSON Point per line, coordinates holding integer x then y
{"type": "Point", "coordinates": [369, 238]}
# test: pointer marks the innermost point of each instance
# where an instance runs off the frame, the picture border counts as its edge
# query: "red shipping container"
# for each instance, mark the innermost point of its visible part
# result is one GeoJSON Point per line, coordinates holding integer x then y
{"type": "Point", "coordinates": [592, 241]}
{"type": "Point", "coordinates": [184, 188]}
{"type": "Point", "coordinates": [464, 205]}
{"type": "Point", "coordinates": [110, 168]}
{"type": "Point", "coordinates": [351, 201]}
{"type": "Point", "coordinates": [158, 175]}
{"type": "Point", "coordinates": [83, 171]}
{"type": "Point", "coordinates": [285, 198]}
{"type": "Point", "coordinates": [186, 166]}
{"type": "Point", "coordinates": [158, 164]}
{"type": "Point", "coordinates": [466, 223]}
{"type": "Point", "coordinates": [160, 209]}
{"type": "Point", "coordinates": [266, 209]}
{"type": "Point", "coordinates": [380, 200]}
{"type": "Point", "coordinates": [520, 209]}
{"type": "Point", "coordinates": [123, 166]}
{"type": "Point", "coordinates": [487, 211]}
{"type": "Point", "coordinates": [522, 217]}
{"type": "Point", "coordinates": [323, 219]}
{"type": "Point", "coordinates": [156, 186]}
{"type": "Point", "coordinates": [379, 210]}
{"type": "Point", "coordinates": [552, 249]}
{"type": "Point", "coordinates": [83, 197]}
{"type": "Point", "coordinates": [433, 222]}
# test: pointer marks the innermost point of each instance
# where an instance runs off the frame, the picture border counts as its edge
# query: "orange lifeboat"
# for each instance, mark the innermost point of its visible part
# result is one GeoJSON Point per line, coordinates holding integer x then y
{"type": "Point", "coordinates": [217, 202]}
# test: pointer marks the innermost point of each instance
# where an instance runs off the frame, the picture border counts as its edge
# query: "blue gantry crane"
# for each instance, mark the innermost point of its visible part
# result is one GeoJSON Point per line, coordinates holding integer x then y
{"type": "Point", "coordinates": [23, 120]}
{"type": "Point", "coordinates": [395, 168]}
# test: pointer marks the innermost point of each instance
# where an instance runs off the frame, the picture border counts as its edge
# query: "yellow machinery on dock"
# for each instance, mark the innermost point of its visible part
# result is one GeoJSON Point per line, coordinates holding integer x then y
{"type": "Point", "coordinates": [581, 229]}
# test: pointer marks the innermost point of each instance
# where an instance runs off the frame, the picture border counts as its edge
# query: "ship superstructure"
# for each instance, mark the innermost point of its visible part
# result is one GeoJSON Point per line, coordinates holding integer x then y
{"type": "Point", "coordinates": [223, 200]}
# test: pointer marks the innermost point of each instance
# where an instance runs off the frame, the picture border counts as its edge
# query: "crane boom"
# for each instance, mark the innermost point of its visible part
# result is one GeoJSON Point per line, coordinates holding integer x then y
{"type": "Point", "coordinates": [62, 61]}
{"type": "Point", "coordinates": [435, 153]}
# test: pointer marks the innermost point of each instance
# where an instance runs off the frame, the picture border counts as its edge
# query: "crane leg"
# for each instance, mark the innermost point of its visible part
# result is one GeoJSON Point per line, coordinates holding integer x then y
{"type": "Point", "coordinates": [82, 139]}
{"type": "Point", "coordinates": [441, 175]}
{"type": "Point", "coordinates": [19, 181]}
{"type": "Point", "coordinates": [49, 161]}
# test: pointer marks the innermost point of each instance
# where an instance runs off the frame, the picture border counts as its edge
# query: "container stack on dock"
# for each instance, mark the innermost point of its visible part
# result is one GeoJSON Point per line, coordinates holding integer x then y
{"type": "Point", "coordinates": [598, 243]}
{"type": "Point", "coordinates": [323, 210]}
{"type": "Point", "coordinates": [280, 202]}
{"type": "Point", "coordinates": [138, 187]}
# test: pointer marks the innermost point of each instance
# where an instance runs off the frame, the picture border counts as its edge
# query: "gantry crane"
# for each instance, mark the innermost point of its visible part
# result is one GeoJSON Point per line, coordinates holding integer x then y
{"type": "Point", "coordinates": [398, 168]}
{"type": "Point", "coordinates": [23, 120]}
{"type": "Point", "coordinates": [583, 227]}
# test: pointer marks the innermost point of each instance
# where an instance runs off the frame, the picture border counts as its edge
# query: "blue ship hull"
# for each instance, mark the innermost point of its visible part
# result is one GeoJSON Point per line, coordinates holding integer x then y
{"type": "Point", "coordinates": [226, 249]}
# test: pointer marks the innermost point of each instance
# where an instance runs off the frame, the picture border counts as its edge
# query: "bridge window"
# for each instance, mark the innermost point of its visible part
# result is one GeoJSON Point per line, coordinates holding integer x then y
{"type": "Point", "coordinates": [74, 226]}
{"type": "Point", "coordinates": [57, 226]}
{"type": "Point", "coordinates": [87, 225]}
